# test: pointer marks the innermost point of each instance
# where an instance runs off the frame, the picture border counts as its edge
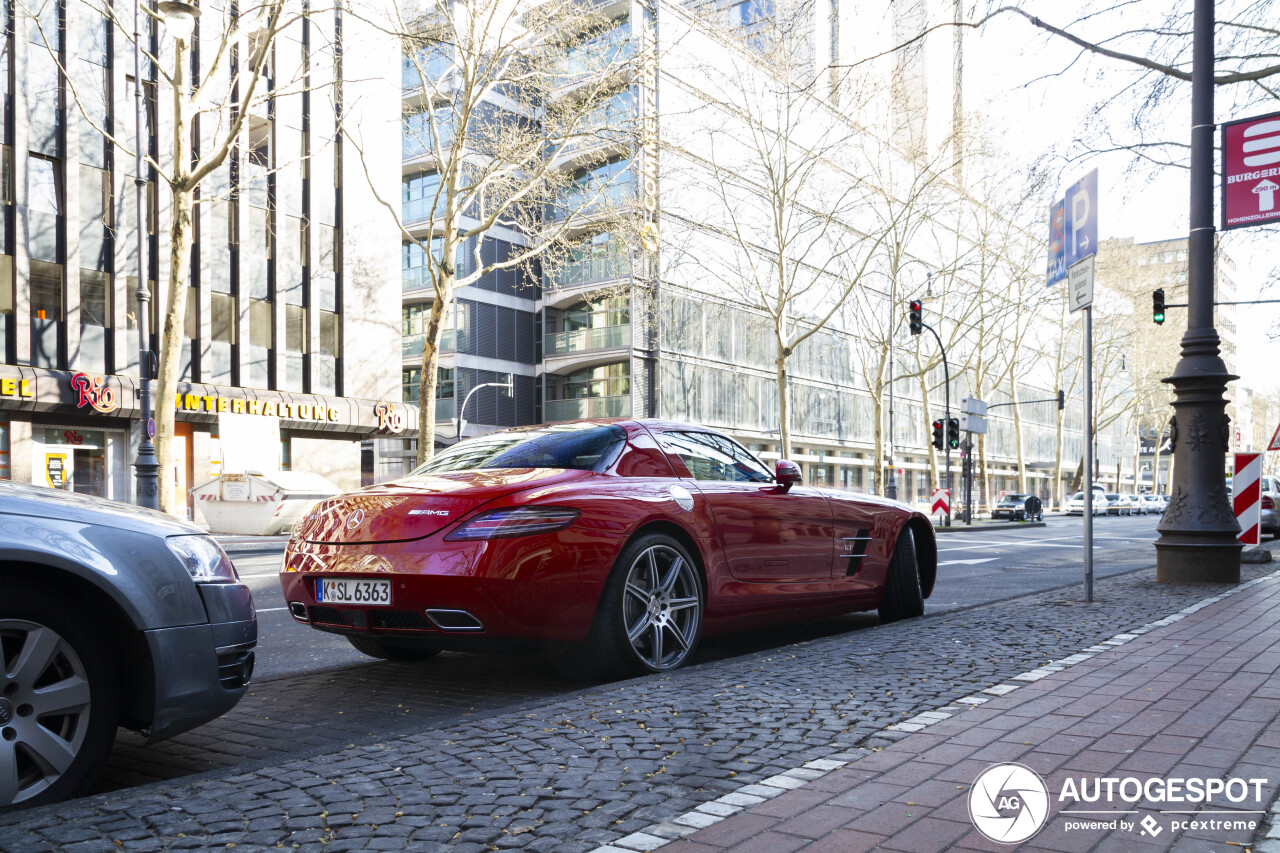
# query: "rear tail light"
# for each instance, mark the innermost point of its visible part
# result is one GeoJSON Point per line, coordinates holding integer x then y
{"type": "Point", "coordinates": [516, 521]}
{"type": "Point", "coordinates": [1267, 503]}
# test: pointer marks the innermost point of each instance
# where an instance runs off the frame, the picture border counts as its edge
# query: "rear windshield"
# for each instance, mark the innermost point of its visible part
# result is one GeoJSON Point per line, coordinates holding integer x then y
{"type": "Point", "coordinates": [577, 446]}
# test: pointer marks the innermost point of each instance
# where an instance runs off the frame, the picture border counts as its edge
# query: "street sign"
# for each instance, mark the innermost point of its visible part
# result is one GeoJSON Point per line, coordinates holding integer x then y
{"type": "Point", "coordinates": [1275, 440]}
{"type": "Point", "coordinates": [1246, 496]}
{"type": "Point", "coordinates": [941, 501]}
{"type": "Point", "coordinates": [973, 406]}
{"type": "Point", "coordinates": [1057, 243]}
{"type": "Point", "coordinates": [1080, 284]}
{"type": "Point", "coordinates": [1251, 171]}
{"type": "Point", "coordinates": [1082, 219]}
{"type": "Point", "coordinates": [973, 423]}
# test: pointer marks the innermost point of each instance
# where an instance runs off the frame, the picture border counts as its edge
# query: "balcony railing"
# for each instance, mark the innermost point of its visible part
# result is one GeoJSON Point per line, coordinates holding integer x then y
{"type": "Point", "coordinates": [435, 64]}
{"type": "Point", "coordinates": [444, 409]}
{"type": "Point", "coordinates": [412, 345]}
{"type": "Point", "coordinates": [584, 340]}
{"type": "Point", "coordinates": [592, 198]}
{"type": "Point", "coordinates": [588, 407]}
{"type": "Point", "coordinates": [418, 138]}
{"type": "Point", "coordinates": [420, 209]}
{"type": "Point", "coordinates": [589, 269]}
{"type": "Point", "coordinates": [595, 54]}
{"type": "Point", "coordinates": [415, 278]}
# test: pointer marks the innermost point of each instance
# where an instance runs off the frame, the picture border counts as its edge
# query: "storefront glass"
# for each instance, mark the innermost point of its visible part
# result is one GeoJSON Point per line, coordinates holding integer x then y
{"type": "Point", "coordinates": [4, 452]}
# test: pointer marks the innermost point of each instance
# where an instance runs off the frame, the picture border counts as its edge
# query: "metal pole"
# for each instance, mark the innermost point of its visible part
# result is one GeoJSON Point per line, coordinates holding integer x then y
{"type": "Point", "coordinates": [1198, 531]}
{"type": "Point", "coordinates": [891, 487]}
{"type": "Point", "coordinates": [145, 466]}
{"type": "Point", "coordinates": [1088, 453]}
{"type": "Point", "coordinates": [946, 376]}
{"type": "Point", "coordinates": [946, 427]}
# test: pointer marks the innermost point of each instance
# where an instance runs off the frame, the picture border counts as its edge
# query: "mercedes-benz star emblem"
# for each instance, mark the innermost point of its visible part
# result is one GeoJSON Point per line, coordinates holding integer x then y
{"type": "Point", "coordinates": [355, 519]}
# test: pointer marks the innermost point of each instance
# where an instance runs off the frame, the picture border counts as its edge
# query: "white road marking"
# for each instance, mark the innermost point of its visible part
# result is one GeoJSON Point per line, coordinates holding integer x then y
{"type": "Point", "coordinates": [270, 609]}
{"type": "Point", "coordinates": [967, 562]}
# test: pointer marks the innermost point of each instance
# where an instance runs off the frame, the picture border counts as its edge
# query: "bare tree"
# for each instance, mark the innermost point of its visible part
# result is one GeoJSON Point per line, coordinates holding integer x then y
{"type": "Point", "coordinates": [803, 215]}
{"type": "Point", "coordinates": [224, 94]}
{"type": "Point", "coordinates": [518, 112]}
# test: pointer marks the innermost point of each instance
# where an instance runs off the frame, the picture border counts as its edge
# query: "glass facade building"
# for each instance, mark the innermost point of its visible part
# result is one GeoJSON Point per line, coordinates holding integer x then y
{"type": "Point", "coordinates": [283, 288]}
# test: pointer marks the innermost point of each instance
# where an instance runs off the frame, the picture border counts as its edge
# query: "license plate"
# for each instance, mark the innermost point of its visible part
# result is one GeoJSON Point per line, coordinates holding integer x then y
{"type": "Point", "coordinates": [352, 591]}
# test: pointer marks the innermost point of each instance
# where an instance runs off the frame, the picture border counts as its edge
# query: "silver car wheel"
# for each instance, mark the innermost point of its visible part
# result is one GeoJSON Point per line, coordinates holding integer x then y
{"type": "Point", "coordinates": [44, 709]}
{"type": "Point", "coordinates": [662, 607]}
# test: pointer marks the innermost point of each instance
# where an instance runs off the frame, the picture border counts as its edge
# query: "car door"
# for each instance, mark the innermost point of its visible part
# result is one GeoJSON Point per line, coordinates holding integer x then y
{"type": "Point", "coordinates": [769, 535]}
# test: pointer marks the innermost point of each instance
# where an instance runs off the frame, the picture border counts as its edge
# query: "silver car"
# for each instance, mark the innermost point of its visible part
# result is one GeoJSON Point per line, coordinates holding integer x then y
{"type": "Point", "coordinates": [1270, 522]}
{"type": "Point", "coordinates": [110, 616]}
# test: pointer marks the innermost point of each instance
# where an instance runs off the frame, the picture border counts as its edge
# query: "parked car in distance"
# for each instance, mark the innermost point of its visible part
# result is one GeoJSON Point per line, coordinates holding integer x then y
{"type": "Point", "coordinates": [1075, 504]}
{"type": "Point", "coordinates": [1269, 522]}
{"type": "Point", "coordinates": [110, 616]}
{"type": "Point", "coordinates": [1018, 507]}
{"type": "Point", "coordinates": [617, 544]}
{"type": "Point", "coordinates": [1155, 503]}
{"type": "Point", "coordinates": [1118, 504]}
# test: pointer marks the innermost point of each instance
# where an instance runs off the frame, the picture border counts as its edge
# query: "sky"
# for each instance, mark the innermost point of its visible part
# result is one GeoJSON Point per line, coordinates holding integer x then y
{"type": "Point", "coordinates": [1006, 65]}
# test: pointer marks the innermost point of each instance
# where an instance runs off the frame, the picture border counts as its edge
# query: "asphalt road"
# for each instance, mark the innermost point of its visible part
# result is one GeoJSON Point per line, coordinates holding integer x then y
{"type": "Point", "coordinates": [975, 567]}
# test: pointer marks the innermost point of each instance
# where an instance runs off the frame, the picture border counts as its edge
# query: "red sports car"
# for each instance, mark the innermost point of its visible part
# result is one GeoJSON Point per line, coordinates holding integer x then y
{"type": "Point", "coordinates": [624, 540]}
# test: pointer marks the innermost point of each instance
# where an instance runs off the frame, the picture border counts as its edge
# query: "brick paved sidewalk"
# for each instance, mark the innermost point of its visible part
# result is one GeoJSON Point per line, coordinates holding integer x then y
{"type": "Point", "coordinates": [1198, 698]}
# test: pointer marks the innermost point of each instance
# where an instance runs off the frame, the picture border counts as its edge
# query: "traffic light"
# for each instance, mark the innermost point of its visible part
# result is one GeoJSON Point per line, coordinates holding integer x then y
{"type": "Point", "coordinates": [916, 317]}
{"type": "Point", "coordinates": [953, 433]}
{"type": "Point", "coordinates": [1062, 399]}
{"type": "Point", "coordinates": [937, 434]}
{"type": "Point", "coordinates": [1157, 306]}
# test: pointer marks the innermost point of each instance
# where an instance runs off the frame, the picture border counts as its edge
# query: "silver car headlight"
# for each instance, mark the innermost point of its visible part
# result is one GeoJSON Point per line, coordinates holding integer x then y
{"type": "Point", "coordinates": [203, 559]}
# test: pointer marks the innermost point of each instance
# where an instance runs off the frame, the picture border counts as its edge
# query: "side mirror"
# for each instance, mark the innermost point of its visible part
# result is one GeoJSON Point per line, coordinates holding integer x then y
{"type": "Point", "coordinates": [787, 474]}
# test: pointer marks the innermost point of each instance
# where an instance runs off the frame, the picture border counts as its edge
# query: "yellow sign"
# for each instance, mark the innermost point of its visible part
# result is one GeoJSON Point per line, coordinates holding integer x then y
{"type": "Point", "coordinates": [269, 409]}
{"type": "Point", "coordinates": [10, 387]}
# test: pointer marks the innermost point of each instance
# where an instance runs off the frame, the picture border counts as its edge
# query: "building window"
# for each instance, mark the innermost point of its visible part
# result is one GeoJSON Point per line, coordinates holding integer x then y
{"type": "Point", "coordinates": [95, 319]}
{"type": "Point", "coordinates": [606, 380]}
{"type": "Point", "coordinates": [411, 384]}
{"type": "Point", "coordinates": [750, 12]}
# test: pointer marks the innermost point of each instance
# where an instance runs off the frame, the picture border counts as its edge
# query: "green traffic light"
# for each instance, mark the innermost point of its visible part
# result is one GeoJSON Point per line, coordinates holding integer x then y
{"type": "Point", "coordinates": [1159, 318]}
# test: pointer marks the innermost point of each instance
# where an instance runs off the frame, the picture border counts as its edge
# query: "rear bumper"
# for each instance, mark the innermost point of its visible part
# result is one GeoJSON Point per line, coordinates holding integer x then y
{"type": "Point", "coordinates": [535, 587]}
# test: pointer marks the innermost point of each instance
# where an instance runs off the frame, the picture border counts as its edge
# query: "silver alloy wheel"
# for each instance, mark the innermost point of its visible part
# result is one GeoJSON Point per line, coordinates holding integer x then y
{"type": "Point", "coordinates": [662, 607]}
{"type": "Point", "coordinates": [44, 709]}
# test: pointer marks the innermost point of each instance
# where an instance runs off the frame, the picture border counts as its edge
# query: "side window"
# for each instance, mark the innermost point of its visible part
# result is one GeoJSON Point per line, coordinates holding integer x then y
{"type": "Point", "coordinates": [714, 457]}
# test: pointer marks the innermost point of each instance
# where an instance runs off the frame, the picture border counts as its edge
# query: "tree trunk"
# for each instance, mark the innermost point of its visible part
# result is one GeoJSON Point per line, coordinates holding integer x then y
{"type": "Point", "coordinates": [176, 302]}
{"type": "Point", "coordinates": [171, 345]}
{"type": "Point", "coordinates": [427, 374]}
{"type": "Point", "coordinates": [784, 405]}
{"type": "Point", "coordinates": [880, 472]}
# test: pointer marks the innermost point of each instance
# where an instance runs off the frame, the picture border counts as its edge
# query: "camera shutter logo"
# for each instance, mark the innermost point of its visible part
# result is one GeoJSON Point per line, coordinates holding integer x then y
{"type": "Point", "coordinates": [1008, 803]}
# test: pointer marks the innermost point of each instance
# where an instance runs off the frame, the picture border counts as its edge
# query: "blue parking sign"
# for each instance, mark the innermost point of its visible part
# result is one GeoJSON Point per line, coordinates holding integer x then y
{"type": "Point", "coordinates": [1082, 219]}
{"type": "Point", "coordinates": [1057, 270]}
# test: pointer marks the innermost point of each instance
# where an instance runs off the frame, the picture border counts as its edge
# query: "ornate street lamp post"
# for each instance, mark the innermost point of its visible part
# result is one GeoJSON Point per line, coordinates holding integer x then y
{"type": "Point", "coordinates": [1198, 532]}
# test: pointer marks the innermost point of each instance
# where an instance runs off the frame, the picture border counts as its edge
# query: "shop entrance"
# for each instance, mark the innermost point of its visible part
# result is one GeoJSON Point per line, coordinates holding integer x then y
{"type": "Point", "coordinates": [76, 460]}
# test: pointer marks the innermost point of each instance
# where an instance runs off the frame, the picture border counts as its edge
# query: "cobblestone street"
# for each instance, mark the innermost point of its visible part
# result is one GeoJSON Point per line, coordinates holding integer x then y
{"type": "Point", "coordinates": [578, 771]}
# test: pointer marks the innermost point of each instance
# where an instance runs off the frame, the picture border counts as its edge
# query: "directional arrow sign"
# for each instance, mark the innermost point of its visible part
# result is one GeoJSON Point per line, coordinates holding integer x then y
{"type": "Point", "coordinates": [1080, 284]}
{"type": "Point", "coordinates": [1082, 219]}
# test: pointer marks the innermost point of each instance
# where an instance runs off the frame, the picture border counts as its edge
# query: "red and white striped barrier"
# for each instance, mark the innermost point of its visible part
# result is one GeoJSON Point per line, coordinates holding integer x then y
{"type": "Point", "coordinates": [1247, 496]}
{"type": "Point", "coordinates": [941, 501]}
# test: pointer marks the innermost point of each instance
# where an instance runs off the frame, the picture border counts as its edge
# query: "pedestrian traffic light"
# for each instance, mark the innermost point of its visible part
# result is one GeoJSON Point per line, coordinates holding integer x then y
{"type": "Point", "coordinates": [1157, 306]}
{"type": "Point", "coordinates": [916, 317]}
{"type": "Point", "coordinates": [937, 435]}
{"type": "Point", "coordinates": [953, 433]}
{"type": "Point", "coordinates": [1062, 399]}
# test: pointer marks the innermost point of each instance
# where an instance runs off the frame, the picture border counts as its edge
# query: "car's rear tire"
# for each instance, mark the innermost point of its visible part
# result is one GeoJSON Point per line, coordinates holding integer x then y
{"type": "Point", "coordinates": [650, 614]}
{"type": "Point", "coordinates": [903, 598]}
{"type": "Point", "coordinates": [59, 697]}
{"type": "Point", "coordinates": [386, 651]}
